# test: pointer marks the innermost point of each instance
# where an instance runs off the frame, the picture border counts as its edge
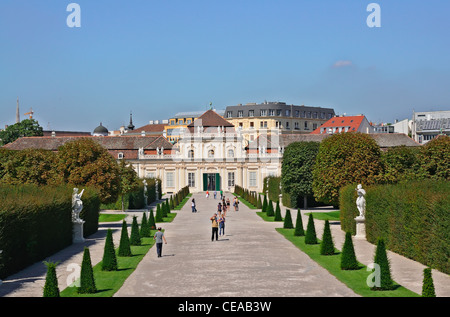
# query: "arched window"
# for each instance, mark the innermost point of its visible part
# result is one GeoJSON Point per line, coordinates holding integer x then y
{"type": "Point", "coordinates": [230, 153]}
{"type": "Point", "coordinates": [191, 154]}
{"type": "Point", "coordinates": [211, 153]}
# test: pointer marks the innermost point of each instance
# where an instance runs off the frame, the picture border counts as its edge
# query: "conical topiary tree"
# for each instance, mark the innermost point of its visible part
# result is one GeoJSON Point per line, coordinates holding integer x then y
{"type": "Point", "coordinates": [159, 215]}
{"type": "Point", "coordinates": [386, 282]}
{"type": "Point", "coordinates": [124, 244]}
{"type": "Point", "coordinates": [109, 262]}
{"type": "Point", "coordinates": [167, 207]}
{"type": "Point", "coordinates": [145, 229]}
{"type": "Point", "coordinates": [299, 231]}
{"type": "Point", "coordinates": [135, 237]}
{"type": "Point", "coordinates": [348, 258]}
{"type": "Point", "coordinates": [259, 202]}
{"type": "Point", "coordinates": [264, 205]}
{"type": "Point", "coordinates": [428, 285]}
{"type": "Point", "coordinates": [288, 220]}
{"type": "Point", "coordinates": [327, 245]}
{"type": "Point", "coordinates": [278, 213]}
{"type": "Point", "coordinates": [172, 206]}
{"type": "Point", "coordinates": [87, 282]}
{"type": "Point", "coordinates": [151, 220]}
{"type": "Point", "coordinates": [270, 211]}
{"type": "Point", "coordinates": [51, 281]}
{"type": "Point", "coordinates": [310, 236]}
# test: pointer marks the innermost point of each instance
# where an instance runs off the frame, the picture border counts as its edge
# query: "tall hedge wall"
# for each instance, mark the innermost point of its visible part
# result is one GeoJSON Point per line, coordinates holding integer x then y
{"type": "Point", "coordinates": [412, 218]}
{"type": "Point", "coordinates": [36, 222]}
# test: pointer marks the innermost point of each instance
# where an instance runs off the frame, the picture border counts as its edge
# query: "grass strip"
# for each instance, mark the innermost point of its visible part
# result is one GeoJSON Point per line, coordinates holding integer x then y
{"type": "Point", "coordinates": [264, 216]}
{"type": "Point", "coordinates": [108, 283]}
{"type": "Point", "coordinates": [354, 279]}
{"type": "Point", "coordinates": [242, 200]}
{"type": "Point", "coordinates": [330, 216]}
{"type": "Point", "coordinates": [183, 202]}
{"type": "Point", "coordinates": [111, 217]}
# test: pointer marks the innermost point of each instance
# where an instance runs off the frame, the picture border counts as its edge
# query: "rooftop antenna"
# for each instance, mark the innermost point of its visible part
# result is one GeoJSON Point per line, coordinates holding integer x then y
{"type": "Point", "coordinates": [17, 111]}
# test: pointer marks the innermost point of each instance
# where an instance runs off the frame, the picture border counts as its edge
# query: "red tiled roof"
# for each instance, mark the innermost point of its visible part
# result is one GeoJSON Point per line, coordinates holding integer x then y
{"type": "Point", "coordinates": [211, 119]}
{"type": "Point", "coordinates": [154, 128]}
{"type": "Point", "coordinates": [353, 122]}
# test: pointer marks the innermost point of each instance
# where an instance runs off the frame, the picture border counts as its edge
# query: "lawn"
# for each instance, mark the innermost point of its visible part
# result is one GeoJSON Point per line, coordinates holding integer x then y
{"type": "Point", "coordinates": [108, 283]}
{"type": "Point", "coordinates": [330, 216]}
{"type": "Point", "coordinates": [183, 202]}
{"type": "Point", "coordinates": [111, 217]}
{"type": "Point", "coordinates": [354, 279]}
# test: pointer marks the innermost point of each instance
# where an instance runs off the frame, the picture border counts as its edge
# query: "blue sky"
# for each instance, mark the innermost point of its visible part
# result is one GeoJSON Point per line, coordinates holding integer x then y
{"type": "Point", "coordinates": [157, 58]}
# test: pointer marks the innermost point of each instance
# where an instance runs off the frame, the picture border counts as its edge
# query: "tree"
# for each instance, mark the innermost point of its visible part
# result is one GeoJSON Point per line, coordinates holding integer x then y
{"type": "Point", "coordinates": [399, 163]}
{"type": "Point", "coordinates": [428, 285]}
{"type": "Point", "coordinates": [124, 244]}
{"type": "Point", "coordinates": [145, 229]}
{"type": "Point", "coordinates": [109, 262]}
{"type": "Point", "coordinates": [278, 212]}
{"type": "Point", "coordinates": [87, 282]}
{"type": "Point", "coordinates": [259, 203]}
{"type": "Point", "coordinates": [299, 231]}
{"type": "Point", "coordinates": [151, 220]}
{"type": "Point", "coordinates": [128, 180]}
{"type": "Point", "coordinates": [24, 128]}
{"type": "Point", "coordinates": [51, 281]}
{"type": "Point", "coordinates": [386, 282]}
{"type": "Point", "coordinates": [327, 245]}
{"type": "Point", "coordinates": [288, 220]}
{"type": "Point", "coordinates": [296, 170]}
{"type": "Point", "coordinates": [270, 211]}
{"type": "Point", "coordinates": [85, 162]}
{"type": "Point", "coordinates": [310, 236]}
{"type": "Point", "coordinates": [135, 237]}
{"type": "Point", "coordinates": [348, 258]}
{"type": "Point", "coordinates": [434, 158]}
{"type": "Point", "coordinates": [264, 205]}
{"type": "Point", "coordinates": [345, 158]}
{"type": "Point", "coordinates": [159, 214]}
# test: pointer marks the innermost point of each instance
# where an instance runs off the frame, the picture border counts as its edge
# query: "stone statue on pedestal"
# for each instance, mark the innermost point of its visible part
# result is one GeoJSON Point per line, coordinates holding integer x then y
{"type": "Point", "coordinates": [77, 206]}
{"type": "Point", "coordinates": [361, 202]}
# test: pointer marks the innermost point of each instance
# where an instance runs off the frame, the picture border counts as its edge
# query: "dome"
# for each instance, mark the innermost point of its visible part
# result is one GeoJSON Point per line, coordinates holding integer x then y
{"type": "Point", "coordinates": [100, 130]}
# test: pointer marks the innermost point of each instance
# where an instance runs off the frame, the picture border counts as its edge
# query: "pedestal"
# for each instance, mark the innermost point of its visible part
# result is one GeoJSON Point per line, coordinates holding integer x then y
{"type": "Point", "coordinates": [360, 228]}
{"type": "Point", "coordinates": [77, 236]}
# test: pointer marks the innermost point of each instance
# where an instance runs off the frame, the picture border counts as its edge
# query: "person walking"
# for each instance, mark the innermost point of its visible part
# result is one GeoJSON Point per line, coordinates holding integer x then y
{"type": "Point", "coordinates": [236, 204]}
{"type": "Point", "coordinates": [207, 194]}
{"type": "Point", "coordinates": [159, 237]}
{"type": "Point", "coordinates": [194, 207]}
{"type": "Point", "coordinates": [221, 225]}
{"type": "Point", "coordinates": [215, 227]}
{"type": "Point", "coordinates": [219, 207]}
{"type": "Point", "coordinates": [215, 194]}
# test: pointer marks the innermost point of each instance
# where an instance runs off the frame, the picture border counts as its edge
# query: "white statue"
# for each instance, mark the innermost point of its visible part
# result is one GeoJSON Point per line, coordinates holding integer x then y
{"type": "Point", "coordinates": [361, 201]}
{"type": "Point", "coordinates": [77, 205]}
{"type": "Point", "coordinates": [145, 191]}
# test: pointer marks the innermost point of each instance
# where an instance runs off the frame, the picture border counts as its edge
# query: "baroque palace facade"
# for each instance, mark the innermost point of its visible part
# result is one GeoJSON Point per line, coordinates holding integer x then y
{"type": "Point", "coordinates": [211, 153]}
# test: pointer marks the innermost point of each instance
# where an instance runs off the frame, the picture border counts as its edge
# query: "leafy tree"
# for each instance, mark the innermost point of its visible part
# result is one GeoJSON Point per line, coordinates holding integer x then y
{"type": "Point", "coordinates": [51, 281]}
{"type": "Point", "coordinates": [327, 245]}
{"type": "Point", "coordinates": [428, 285]}
{"type": "Point", "coordinates": [128, 180]}
{"type": "Point", "coordinates": [124, 244]}
{"type": "Point", "coordinates": [345, 158]}
{"type": "Point", "coordinates": [296, 170]}
{"type": "Point", "coordinates": [310, 236]}
{"type": "Point", "coordinates": [135, 237]}
{"type": "Point", "coordinates": [288, 220]}
{"type": "Point", "coordinates": [87, 282]}
{"type": "Point", "coordinates": [399, 163]}
{"type": "Point", "coordinates": [24, 128]}
{"type": "Point", "coordinates": [348, 258]}
{"type": "Point", "coordinates": [109, 262]}
{"type": "Point", "coordinates": [434, 158]}
{"type": "Point", "coordinates": [84, 162]}
{"type": "Point", "coordinates": [299, 231]}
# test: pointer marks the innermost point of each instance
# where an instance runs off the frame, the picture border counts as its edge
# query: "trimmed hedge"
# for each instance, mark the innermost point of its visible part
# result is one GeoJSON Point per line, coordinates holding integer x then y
{"type": "Point", "coordinates": [36, 222]}
{"type": "Point", "coordinates": [412, 218]}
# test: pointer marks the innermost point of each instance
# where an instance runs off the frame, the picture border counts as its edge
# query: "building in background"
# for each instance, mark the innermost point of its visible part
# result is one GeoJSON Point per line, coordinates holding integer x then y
{"type": "Point", "coordinates": [253, 118]}
{"type": "Point", "coordinates": [340, 124]}
{"type": "Point", "coordinates": [429, 124]}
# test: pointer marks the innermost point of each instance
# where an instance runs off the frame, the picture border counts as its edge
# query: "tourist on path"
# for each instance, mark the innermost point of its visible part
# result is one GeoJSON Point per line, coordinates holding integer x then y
{"type": "Point", "coordinates": [236, 204]}
{"type": "Point", "coordinates": [159, 237]}
{"type": "Point", "coordinates": [194, 208]}
{"type": "Point", "coordinates": [221, 225]}
{"type": "Point", "coordinates": [219, 207]}
{"type": "Point", "coordinates": [215, 227]}
{"type": "Point", "coordinates": [215, 194]}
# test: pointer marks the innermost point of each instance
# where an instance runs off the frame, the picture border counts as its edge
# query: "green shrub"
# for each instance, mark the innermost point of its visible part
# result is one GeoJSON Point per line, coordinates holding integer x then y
{"type": "Point", "coordinates": [310, 236]}
{"type": "Point", "coordinates": [264, 205]}
{"type": "Point", "coordinates": [270, 212]}
{"type": "Point", "coordinates": [278, 212]}
{"type": "Point", "coordinates": [151, 220]}
{"type": "Point", "coordinates": [51, 281]}
{"type": "Point", "coordinates": [109, 262]}
{"type": "Point", "coordinates": [348, 257]}
{"type": "Point", "coordinates": [299, 231]}
{"type": "Point", "coordinates": [145, 229]}
{"type": "Point", "coordinates": [135, 237]}
{"type": "Point", "coordinates": [288, 220]}
{"type": "Point", "coordinates": [124, 244]}
{"type": "Point", "coordinates": [427, 284]}
{"type": "Point", "coordinates": [386, 282]}
{"type": "Point", "coordinates": [159, 214]}
{"type": "Point", "coordinates": [327, 245]}
{"type": "Point", "coordinates": [87, 282]}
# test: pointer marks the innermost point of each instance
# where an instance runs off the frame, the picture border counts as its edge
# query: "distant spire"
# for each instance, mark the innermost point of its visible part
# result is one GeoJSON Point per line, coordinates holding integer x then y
{"type": "Point", "coordinates": [17, 111]}
{"type": "Point", "coordinates": [131, 126]}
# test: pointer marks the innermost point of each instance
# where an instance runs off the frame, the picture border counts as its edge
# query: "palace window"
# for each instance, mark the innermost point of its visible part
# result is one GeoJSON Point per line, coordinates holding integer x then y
{"type": "Point", "coordinates": [263, 112]}
{"type": "Point", "coordinates": [231, 179]}
{"type": "Point", "coordinates": [230, 153]}
{"type": "Point", "coordinates": [229, 114]}
{"type": "Point", "coordinates": [271, 112]}
{"type": "Point", "coordinates": [251, 113]}
{"type": "Point", "coordinates": [191, 154]}
{"type": "Point", "coordinates": [240, 113]}
{"type": "Point", "coordinates": [252, 179]}
{"type": "Point", "coordinates": [170, 179]}
{"type": "Point", "coordinates": [191, 179]}
{"type": "Point", "coordinates": [211, 153]}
